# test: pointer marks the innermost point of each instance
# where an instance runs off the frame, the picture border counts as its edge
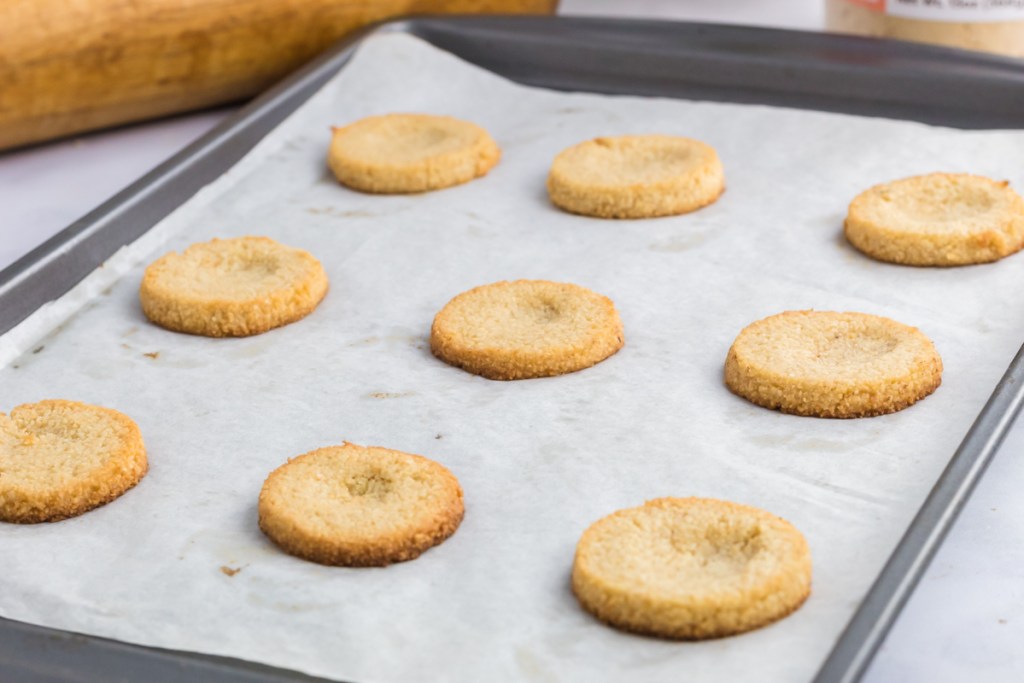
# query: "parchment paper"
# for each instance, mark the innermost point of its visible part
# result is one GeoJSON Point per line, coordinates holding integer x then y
{"type": "Point", "coordinates": [539, 460]}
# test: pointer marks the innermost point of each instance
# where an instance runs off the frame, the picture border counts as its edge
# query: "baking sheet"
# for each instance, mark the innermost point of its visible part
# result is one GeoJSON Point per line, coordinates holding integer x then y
{"type": "Point", "coordinates": [539, 460]}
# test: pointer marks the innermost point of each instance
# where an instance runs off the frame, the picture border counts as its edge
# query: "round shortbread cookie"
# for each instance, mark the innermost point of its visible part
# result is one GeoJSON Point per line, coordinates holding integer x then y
{"type": "Point", "coordinates": [826, 364]}
{"type": "Point", "coordinates": [359, 506]}
{"type": "Point", "coordinates": [941, 219]}
{"type": "Point", "coordinates": [691, 568]}
{"type": "Point", "coordinates": [402, 153]}
{"type": "Point", "coordinates": [59, 459]}
{"type": "Point", "coordinates": [636, 176]}
{"type": "Point", "coordinates": [526, 328]}
{"type": "Point", "coordinates": [232, 288]}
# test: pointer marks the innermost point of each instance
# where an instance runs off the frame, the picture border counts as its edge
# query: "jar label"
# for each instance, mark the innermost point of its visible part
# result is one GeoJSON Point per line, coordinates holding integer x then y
{"type": "Point", "coordinates": [949, 10]}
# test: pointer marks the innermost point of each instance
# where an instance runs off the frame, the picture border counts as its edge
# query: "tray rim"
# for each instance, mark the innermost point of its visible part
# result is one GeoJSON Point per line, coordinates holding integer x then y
{"type": "Point", "coordinates": [175, 181]}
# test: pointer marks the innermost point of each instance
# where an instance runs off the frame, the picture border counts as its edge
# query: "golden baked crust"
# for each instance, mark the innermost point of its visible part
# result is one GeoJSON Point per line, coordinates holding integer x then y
{"type": "Point", "coordinates": [402, 153]}
{"type": "Point", "coordinates": [232, 288]}
{"type": "Point", "coordinates": [526, 328]}
{"type": "Point", "coordinates": [940, 219]}
{"type": "Point", "coordinates": [827, 364]}
{"type": "Point", "coordinates": [59, 459]}
{"type": "Point", "coordinates": [636, 176]}
{"type": "Point", "coordinates": [359, 506]}
{"type": "Point", "coordinates": [691, 568]}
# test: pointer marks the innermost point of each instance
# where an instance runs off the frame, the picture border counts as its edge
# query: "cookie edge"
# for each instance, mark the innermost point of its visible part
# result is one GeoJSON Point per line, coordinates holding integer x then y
{"type": "Point", "coordinates": [436, 173]}
{"type": "Point", "coordinates": [621, 202]}
{"type": "Point", "coordinates": [743, 382]}
{"type": "Point", "coordinates": [389, 551]}
{"type": "Point", "coordinates": [506, 365]}
{"type": "Point", "coordinates": [585, 588]}
{"type": "Point", "coordinates": [881, 243]}
{"type": "Point", "coordinates": [165, 309]}
{"type": "Point", "coordinates": [74, 499]}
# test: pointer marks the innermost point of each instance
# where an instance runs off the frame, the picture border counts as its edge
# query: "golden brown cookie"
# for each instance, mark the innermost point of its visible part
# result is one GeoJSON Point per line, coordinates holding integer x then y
{"type": "Point", "coordinates": [359, 506]}
{"type": "Point", "coordinates": [636, 176]}
{"type": "Point", "coordinates": [940, 219]}
{"type": "Point", "coordinates": [59, 459]}
{"type": "Point", "coordinates": [401, 153]}
{"type": "Point", "coordinates": [691, 568]}
{"type": "Point", "coordinates": [526, 328]}
{"type": "Point", "coordinates": [827, 364]}
{"type": "Point", "coordinates": [232, 288]}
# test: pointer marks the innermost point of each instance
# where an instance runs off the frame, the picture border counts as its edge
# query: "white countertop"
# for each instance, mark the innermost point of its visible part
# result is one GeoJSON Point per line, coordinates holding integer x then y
{"type": "Point", "coordinates": [966, 619]}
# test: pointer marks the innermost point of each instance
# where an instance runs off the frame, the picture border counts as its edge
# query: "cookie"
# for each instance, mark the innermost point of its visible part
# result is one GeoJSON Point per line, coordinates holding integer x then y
{"type": "Point", "coordinates": [232, 288]}
{"type": "Point", "coordinates": [403, 153]}
{"type": "Point", "coordinates": [526, 328]}
{"type": "Point", "coordinates": [359, 506]}
{"type": "Point", "coordinates": [826, 364]}
{"type": "Point", "coordinates": [691, 568]}
{"type": "Point", "coordinates": [59, 459]}
{"type": "Point", "coordinates": [636, 176]}
{"type": "Point", "coordinates": [941, 219]}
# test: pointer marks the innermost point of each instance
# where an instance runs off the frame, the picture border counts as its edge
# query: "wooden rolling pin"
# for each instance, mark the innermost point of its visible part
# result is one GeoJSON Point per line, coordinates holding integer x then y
{"type": "Point", "coordinates": [68, 66]}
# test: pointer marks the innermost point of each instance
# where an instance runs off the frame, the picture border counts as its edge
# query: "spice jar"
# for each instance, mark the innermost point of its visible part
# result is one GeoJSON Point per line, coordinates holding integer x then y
{"type": "Point", "coordinates": [988, 25]}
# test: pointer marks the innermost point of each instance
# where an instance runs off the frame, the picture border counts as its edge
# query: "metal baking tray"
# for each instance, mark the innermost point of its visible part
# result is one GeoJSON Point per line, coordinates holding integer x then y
{"type": "Point", "coordinates": [666, 59]}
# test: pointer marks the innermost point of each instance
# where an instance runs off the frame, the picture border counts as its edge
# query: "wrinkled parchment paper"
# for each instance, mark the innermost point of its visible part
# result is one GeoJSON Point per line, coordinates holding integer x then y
{"type": "Point", "coordinates": [539, 460]}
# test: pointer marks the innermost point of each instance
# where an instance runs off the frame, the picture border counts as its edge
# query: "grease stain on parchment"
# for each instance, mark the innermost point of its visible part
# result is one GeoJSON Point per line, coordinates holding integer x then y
{"type": "Point", "coordinates": [366, 341]}
{"type": "Point", "coordinates": [478, 231]}
{"type": "Point", "coordinates": [185, 363]}
{"type": "Point", "coordinates": [253, 349]}
{"type": "Point", "coordinates": [261, 600]}
{"type": "Point", "coordinates": [531, 666]}
{"type": "Point", "coordinates": [678, 243]}
{"type": "Point", "coordinates": [791, 442]}
{"type": "Point", "coordinates": [389, 394]}
{"type": "Point", "coordinates": [337, 212]}
{"type": "Point", "coordinates": [229, 549]}
{"type": "Point", "coordinates": [416, 341]}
